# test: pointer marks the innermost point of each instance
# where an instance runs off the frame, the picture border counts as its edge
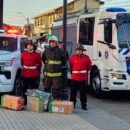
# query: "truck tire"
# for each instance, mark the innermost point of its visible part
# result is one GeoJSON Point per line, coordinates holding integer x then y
{"type": "Point", "coordinates": [96, 84]}
{"type": "Point", "coordinates": [17, 90]}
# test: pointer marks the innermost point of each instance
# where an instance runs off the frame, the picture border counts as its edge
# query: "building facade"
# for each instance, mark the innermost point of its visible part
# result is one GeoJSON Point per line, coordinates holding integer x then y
{"type": "Point", "coordinates": [43, 21]}
{"type": "Point", "coordinates": [90, 5]}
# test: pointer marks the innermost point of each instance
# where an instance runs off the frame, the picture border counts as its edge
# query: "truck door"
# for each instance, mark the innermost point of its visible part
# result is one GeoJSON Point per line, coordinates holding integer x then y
{"type": "Point", "coordinates": [86, 34]}
{"type": "Point", "coordinates": [105, 39]}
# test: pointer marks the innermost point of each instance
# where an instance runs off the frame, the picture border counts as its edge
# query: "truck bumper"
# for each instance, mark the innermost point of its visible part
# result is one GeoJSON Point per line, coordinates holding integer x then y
{"type": "Point", "coordinates": [111, 83]}
{"type": "Point", "coordinates": [6, 88]}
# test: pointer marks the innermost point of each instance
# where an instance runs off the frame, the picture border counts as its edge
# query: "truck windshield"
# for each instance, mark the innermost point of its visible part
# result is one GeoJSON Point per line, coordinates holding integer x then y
{"type": "Point", "coordinates": [123, 30]}
{"type": "Point", "coordinates": [8, 44]}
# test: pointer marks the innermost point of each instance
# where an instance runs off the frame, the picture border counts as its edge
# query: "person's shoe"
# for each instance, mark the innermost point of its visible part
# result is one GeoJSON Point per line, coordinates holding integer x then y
{"type": "Point", "coordinates": [84, 107]}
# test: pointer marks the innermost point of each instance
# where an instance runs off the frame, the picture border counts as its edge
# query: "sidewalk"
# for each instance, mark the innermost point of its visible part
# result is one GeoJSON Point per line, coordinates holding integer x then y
{"type": "Point", "coordinates": [25, 120]}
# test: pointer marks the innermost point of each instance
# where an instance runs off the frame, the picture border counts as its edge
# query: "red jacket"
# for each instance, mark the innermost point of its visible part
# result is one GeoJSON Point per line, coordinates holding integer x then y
{"type": "Point", "coordinates": [79, 67]}
{"type": "Point", "coordinates": [31, 64]}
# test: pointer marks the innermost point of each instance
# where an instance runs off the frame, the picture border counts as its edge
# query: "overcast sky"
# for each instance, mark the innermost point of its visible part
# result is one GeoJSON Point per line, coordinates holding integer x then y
{"type": "Point", "coordinates": [16, 11]}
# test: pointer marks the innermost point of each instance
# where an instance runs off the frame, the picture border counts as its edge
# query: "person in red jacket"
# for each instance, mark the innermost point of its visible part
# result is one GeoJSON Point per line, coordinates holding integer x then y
{"type": "Point", "coordinates": [31, 64]}
{"type": "Point", "coordinates": [79, 65]}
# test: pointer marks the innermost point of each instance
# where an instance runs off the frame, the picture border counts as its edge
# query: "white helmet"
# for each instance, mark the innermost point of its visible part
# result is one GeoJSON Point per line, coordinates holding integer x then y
{"type": "Point", "coordinates": [53, 38]}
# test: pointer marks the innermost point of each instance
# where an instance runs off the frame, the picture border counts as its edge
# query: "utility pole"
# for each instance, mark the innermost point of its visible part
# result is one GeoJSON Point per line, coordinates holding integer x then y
{"type": "Point", "coordinates": [65, 23]}
{"type": "Point", "coordinates": [86, 6]}
{"type": "Point", "coordinates": [27, 21]}
{"type": "Point", "coordinates": [28, 28]}
{"type": "Point", "coordinates": [1, 14]}
{"type": "Point", "coordinates": [64, 90]}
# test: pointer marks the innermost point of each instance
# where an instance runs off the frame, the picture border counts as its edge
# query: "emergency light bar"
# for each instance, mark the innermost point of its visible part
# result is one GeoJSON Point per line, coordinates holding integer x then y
{"type": "Point", "coordinates": [115, 9]}
{"type": "Point", "coordinates": [12, 30]}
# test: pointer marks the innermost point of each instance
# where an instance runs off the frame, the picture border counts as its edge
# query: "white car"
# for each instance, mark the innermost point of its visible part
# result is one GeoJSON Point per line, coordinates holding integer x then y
{"type": "Point", "coordinates": [11, 46]}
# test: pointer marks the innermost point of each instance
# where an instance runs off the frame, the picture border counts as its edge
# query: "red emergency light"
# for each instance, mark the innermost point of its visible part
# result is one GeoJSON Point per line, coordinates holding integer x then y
{"type": "Point", "coordinates": [12, 30]}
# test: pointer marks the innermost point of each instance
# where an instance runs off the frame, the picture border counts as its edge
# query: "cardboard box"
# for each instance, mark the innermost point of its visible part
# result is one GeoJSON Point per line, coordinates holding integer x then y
{"type": "Point", "coordinates": [65, 107]}
{"type": "Point", "coordinates": [12, 102]}
{"type": "Point", "coordinates": [35, 104]}
{"type": "Point", "coordinates": [41, 95]}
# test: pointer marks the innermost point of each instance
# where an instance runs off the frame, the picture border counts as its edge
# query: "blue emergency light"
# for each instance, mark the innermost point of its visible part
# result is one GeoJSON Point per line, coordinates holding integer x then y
{"type": "Point", "coordinates": [128, 65]}
{"type": "Point", "coordinates": [115, 9]}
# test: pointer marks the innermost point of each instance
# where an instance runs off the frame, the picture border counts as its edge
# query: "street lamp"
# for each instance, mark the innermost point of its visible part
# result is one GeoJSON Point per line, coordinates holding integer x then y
{"type": "Point", "coordinates": [27, 26]}
{"type": "Point", "coordinates": [26, 19]}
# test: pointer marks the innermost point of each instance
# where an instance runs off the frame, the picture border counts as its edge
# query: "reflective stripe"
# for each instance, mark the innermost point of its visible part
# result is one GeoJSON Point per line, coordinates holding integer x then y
{"type": "Point", "coordinates": [81, 72]}
{"type": "Point", "coordinates": [52, 74]}
{"type": "Point", "coordinates": [29, 67]}
{"type": "Point", "coordinates": [54, 62]}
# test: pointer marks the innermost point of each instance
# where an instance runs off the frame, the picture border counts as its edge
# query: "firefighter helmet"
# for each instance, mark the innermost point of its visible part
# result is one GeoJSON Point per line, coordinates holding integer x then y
{"type": "Point", "coordinates": [53, 38]}
{"type": "Point", "coordinates": [80, 47]}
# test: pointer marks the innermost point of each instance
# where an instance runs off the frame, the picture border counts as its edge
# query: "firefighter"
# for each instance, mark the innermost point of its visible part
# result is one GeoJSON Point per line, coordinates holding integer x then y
{"type": "Point", "coordinates": [53, 58]}
{"type": "Point", "coordinates": [64, 68]}
{"type": "Point", "coordinates": [31, 64]}
{"type": "Point", "coordinates": [80, 64]}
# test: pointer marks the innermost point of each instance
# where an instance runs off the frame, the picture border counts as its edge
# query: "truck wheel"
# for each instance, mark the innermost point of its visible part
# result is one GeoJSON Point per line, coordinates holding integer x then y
{"type": "Point", "coordinates": [18, 91]}
{"type": "Point", "coordinates": [96, 84]}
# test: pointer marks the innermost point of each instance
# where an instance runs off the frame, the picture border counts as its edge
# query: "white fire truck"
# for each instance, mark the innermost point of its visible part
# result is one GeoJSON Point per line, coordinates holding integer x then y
{"type": "Point", "coordinates": [106, 37]}
{"type": "Point", "coordinates": [11, 46]}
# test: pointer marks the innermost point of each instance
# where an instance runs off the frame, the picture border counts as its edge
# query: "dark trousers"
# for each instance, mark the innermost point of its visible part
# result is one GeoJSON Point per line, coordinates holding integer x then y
{"type": "Point", "coordinates": [28, 83]}
{"type": "Point", "coordinates": [82, 88]}
{"type": "Point", "coordinates": [64, 87]}
{"type": "Point", "coordinates": [53, 85]}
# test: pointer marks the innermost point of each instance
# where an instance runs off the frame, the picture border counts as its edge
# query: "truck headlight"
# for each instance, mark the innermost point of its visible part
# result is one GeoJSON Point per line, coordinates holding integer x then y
{"type": "Point", "coordinates": [6, 63]}
{"type": "Point", "coordinates": [116, 76]}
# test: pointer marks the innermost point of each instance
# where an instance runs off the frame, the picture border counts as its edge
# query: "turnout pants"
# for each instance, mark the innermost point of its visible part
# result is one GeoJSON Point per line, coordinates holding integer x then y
{"type": "Point", "coordinates": [53, 85]}
{"type": "Point", "coordinates": [28, 83]}
{"type": "Point", "coordinates": [82, 88]}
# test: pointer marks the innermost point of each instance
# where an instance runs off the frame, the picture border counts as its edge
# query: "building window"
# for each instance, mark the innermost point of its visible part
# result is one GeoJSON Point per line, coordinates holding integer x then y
{"type": "Point", "coordinates": [86, 31]}
{"type": "Point", "coordinates": [41, 21]}
{"type": "Point", "coordinates": [35, 22]}
{"type": "Point", "coordinates": [38, 22]}
{"type": "Point", "coordinates": [50, 19]}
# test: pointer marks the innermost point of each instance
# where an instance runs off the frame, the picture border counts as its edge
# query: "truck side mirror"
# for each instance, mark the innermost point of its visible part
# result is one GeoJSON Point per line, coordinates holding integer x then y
{"type": "Point", "coordinates": [111, 46]}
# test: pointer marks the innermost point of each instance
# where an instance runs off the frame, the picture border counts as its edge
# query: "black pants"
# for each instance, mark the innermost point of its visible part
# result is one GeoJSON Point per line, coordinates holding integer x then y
{"type": "Point", "coordinates": [54, 84]}
{"type": "Point", "coordinates": [64, 87]}
{"type": "Point", "coordinates": [82, 88]}
{"type": "Point", "coordinates": [28, 83]}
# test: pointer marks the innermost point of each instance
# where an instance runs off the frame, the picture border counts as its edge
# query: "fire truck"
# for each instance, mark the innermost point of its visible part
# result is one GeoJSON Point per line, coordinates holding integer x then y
{"type": "Point", "coordinates": [11, 46]}
{"type": "Point", "coordinates": [106, 38]}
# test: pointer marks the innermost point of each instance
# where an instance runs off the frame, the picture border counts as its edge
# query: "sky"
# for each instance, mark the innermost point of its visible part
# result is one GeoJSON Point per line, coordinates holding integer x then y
{"type": "Point", "coordinates": [16, 12]}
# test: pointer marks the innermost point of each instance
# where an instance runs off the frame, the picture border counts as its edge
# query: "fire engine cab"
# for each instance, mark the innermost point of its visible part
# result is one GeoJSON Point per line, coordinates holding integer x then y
{"type": "Point", "coordinates": [11, 46]}
{"type": "Point", "coordinates": [106, 37]}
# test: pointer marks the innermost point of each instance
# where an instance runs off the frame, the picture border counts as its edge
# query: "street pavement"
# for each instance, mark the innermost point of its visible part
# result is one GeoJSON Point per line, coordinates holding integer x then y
{"type": "Point", "coordinates": [25, 120]}
{"type": "Point", "coordinates": [102, 119]}
{"type": "Point", "coordinates": [92, 119]}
